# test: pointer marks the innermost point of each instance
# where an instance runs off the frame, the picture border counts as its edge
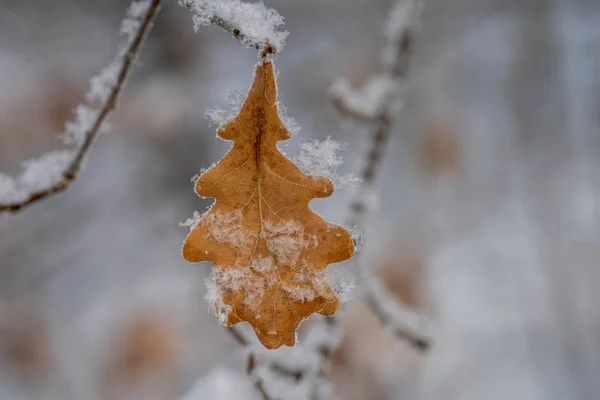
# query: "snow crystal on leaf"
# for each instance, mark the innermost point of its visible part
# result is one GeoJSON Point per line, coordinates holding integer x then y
{"type": "Point", "coordinates": [228, 228]}
{"type": "Point", "coordinates": [263, 264]}
{"type": "Point", "coordinates": [320, 158]}
{"type": "Point", "coordinates": [193, 221]}
{"type": "Point", "coordinates": [196, 218]}
{"type": "Point", "coordinates": [358, 237]}
{"type": "Point", "coordinates": [220, 116]}
{"type": "Point", "coordinates": [300, 293]}
{"type": "Point", "coordinates": [224, 280]}
{"type": "Point", "coordinates": [290, 122]}
{"type": "Point", "coordinates": [341, 286]}
{"type": "Point", "coordinates": [286, 241]}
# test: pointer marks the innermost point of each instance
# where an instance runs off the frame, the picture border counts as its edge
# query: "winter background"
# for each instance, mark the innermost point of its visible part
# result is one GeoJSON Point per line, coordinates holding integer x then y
{"type": "Point", "coordinates": [487, 214]}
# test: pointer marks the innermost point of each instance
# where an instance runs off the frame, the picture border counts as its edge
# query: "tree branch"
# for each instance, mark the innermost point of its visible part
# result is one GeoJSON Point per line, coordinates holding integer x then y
{"type": "Point", "coordinates": [267, 39]}
{"type": "Point", "coordinates": [376, 104]}
{"type": "Point", "coordinates": [399, 49]}
{"type": "Point", "coordinates": [141, 14]}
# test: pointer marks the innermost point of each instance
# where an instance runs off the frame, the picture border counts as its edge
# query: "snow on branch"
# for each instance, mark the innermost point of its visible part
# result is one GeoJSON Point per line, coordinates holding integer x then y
{"type": "Point", "coordinates": [253, 24]}
{"type": "Point", "coordinates": [408, 326]}
{"type": "Point", "coordinates": [376, 104]}
{"type": "Point", "coordinates": [381, 94]}
{"type": "Point", "coordinates": [55, 171]}
{"type": "Point", "coordinates": [291, 372]}
{"type": "Point", "coordinates": [381, 103]}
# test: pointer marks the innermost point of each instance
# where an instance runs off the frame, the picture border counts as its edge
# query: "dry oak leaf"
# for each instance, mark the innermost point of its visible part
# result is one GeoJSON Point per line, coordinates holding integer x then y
{"type": "Point", "coordinates": [268, 248]}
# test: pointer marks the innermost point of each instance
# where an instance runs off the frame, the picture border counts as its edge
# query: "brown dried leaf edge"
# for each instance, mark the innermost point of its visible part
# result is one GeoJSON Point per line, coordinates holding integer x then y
{"type": "Point", "coordinates": [268, 248]}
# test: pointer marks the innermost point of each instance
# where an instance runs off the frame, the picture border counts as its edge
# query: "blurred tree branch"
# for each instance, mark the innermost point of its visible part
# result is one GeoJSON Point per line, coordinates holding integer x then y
{"type": "Point", "coordinates": [142, 14]}
{"type": "Point", "coordinates": [385, 93]}
{"type": "Point", "coordinates": [376, 104]}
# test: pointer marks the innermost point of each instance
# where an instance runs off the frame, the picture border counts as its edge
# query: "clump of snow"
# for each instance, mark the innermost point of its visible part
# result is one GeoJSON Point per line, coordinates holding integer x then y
{"type": "Point", "coordinates": [132, 21]}
{"type": "Point", "coordinates": [307, 283]}
{"type": "Point", "coordinates": [38, 175]}
{"type": "Point", "coordinates": [228, 228]}
{"type": "Point", "coordinates": [358, 238]}
{"type": "Point", "coordinates": [196, 218]}
{"type": "Point", "coordinates": [286, 241]}
{"type": "Point", "coordinates": [254, 24]}
{"type": "Point", "coordinates": [85, 117]}
{"type": "Point", "coordinates": [224, 280]}
{"type": "Point", "coordinates": [342, 287]}
{"type": "Point", "coordinates": [300, 293]}
{"type": "Point", "coordinates": [320, 158]}
{"type": "Point", "coordinates": [101, 85]}
{"type": "Point", "coordinates": [401, 19]}
{"type": "Point", "coordinates": [221, 384]}
{"type": "Point", "coordinates": [263, 265]}
{"type": "Point", "coordinates": [192, 221]}
{"type": "Point", "coordinates": [220, 116]}
{"type": "Point", "coordinates": [290, 122]}
{"type": "Point", "coordinates": [369, 100]}
{"type": "Point", "coordinates": [295, 372]}
{"type": "Point", "coordinates": [399, 317]}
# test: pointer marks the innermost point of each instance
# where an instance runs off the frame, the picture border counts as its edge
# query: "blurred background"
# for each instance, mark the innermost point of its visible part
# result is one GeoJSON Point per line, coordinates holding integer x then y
{"type": "Point", "coordinates": [487, 217]}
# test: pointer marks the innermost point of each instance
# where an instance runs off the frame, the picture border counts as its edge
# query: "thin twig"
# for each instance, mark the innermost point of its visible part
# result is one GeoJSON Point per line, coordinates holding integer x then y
{"type": "Point", "coordinates": [71, 172]}
{"type": "Point", "coordinates": [243, 341]}
{"type": "Point", "coordinates": [347, 111]}
{"type": "Point", "coordinates": [229, 27]}
{"type": "Point", "coordinates": [419, 343]}
{"type": "Point", "coordinates": [402, 46]}
{"type": "Point", "coordinates": [252, 363]}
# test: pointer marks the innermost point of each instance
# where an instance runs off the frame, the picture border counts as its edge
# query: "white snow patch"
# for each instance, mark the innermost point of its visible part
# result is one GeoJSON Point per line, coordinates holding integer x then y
{"type": "Point", "coordinates": [320, 158]}
{"type": "Point", "coordinates": [257, 24]}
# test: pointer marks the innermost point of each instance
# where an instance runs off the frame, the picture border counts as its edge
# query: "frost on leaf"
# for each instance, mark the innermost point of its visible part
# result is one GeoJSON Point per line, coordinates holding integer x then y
{"type": "Point", "coordinates": [268, 248]}
{"type": "Point", "coordinates": [321, 158]}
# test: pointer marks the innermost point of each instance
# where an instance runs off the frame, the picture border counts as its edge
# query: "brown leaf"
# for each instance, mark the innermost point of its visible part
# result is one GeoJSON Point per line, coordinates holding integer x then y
{"type": "Point", "coordinates": [149, 345]}
{"type": "Point", "coordinates": [24, 342]}
{"type": "Point", "coordinates": [269, 249]}
{"type": "Point", "coordinates": [440, 149]}
{"type": "Point", "coordinates": [402, 272]}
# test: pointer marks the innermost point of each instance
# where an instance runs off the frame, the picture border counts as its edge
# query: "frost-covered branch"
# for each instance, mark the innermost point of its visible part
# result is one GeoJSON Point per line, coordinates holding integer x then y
{"type": "Point", "coordinates": [251, 365]}
{"type": "Point", "coordinates": [55, 171]}
{"type": "Point", "coordinates": [376, 104]}
{"type": "Point", "coordinates": [253, 24]}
